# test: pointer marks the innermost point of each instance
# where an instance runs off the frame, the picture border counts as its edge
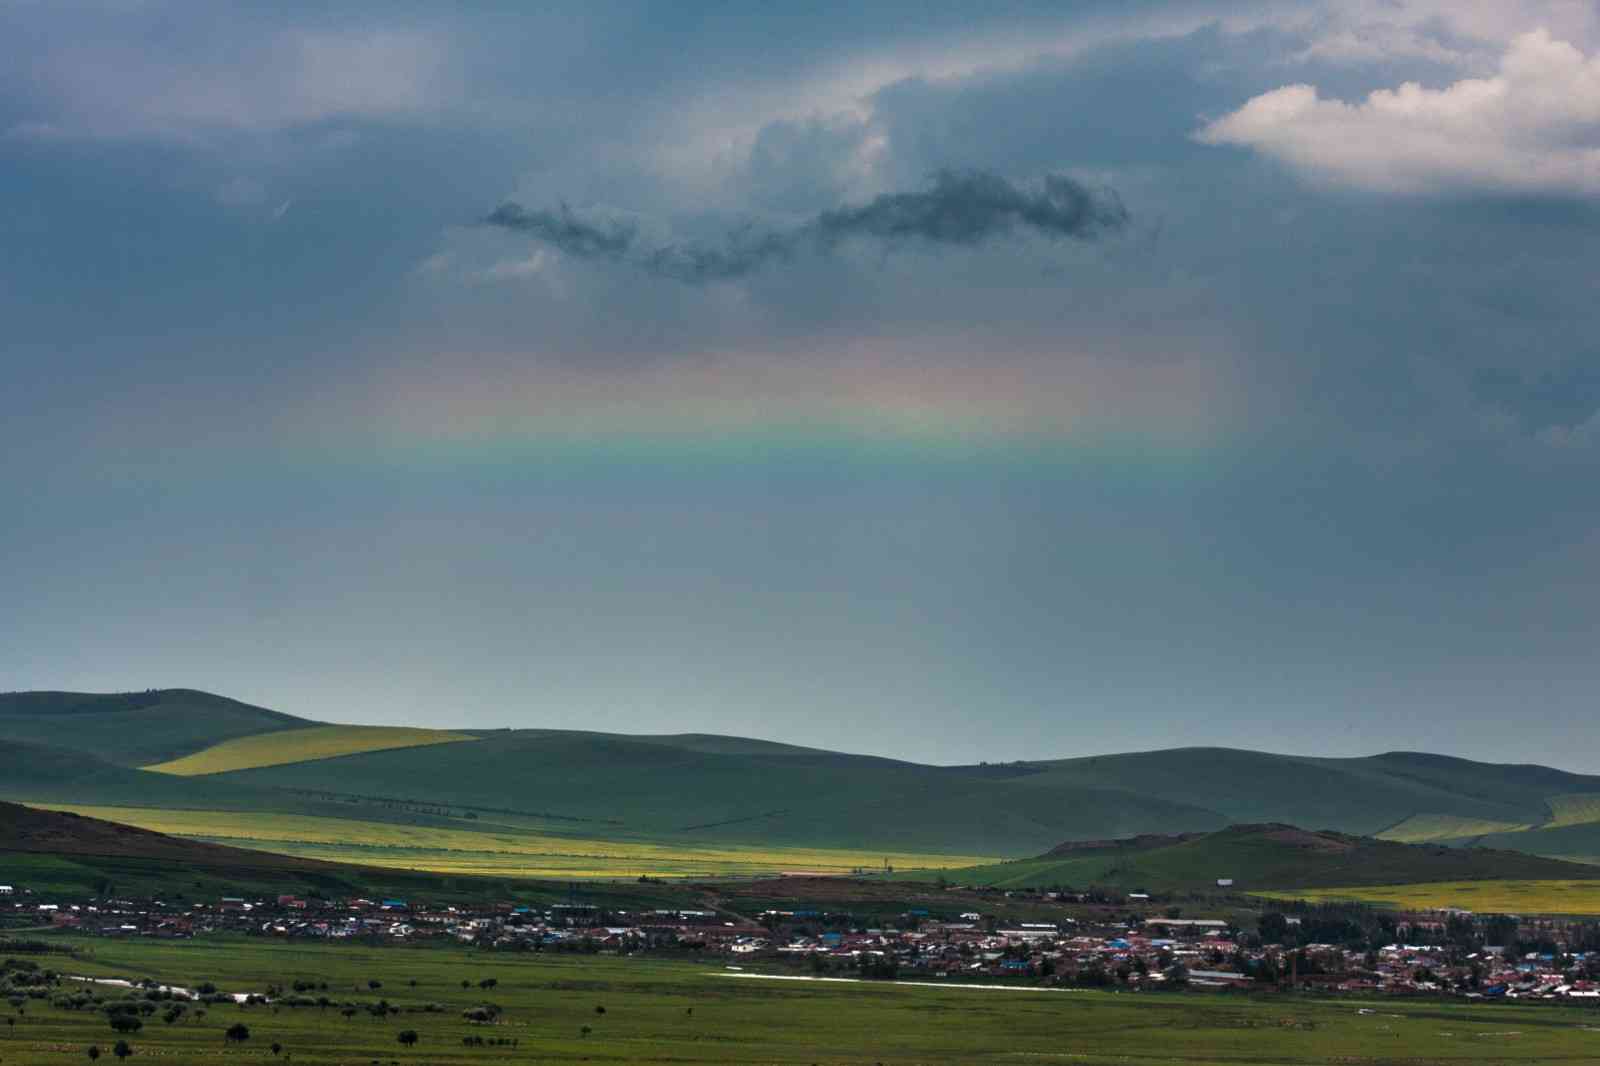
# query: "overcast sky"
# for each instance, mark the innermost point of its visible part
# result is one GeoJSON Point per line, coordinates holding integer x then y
{"type": "Point", "coordinates": [952, 382]}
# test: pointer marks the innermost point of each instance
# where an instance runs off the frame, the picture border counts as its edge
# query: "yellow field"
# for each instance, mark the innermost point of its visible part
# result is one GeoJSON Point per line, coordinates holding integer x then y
{"type": "Point", "coordinates": [1511, 897]}
{"type": "Point", "coordinates": [303, 745]}
{"type": "Point", "coordinates": [1424, 827]}
{"type": "Point", "coordinates": [496, 849]}
{"type": "Point", "coordinates": [1573, 810]}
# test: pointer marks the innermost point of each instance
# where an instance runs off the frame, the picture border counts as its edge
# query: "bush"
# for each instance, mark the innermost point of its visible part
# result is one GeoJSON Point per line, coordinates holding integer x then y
{"type": "Point", "coordinates": [126, 1023]}
{"type": "Point", "coordinates": [237, 1033]}
{"type": "Point", "coordinates": [408, 1037]}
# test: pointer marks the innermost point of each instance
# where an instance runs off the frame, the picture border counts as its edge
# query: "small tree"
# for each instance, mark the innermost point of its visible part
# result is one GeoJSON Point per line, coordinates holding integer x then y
{"type": "Point", "coordinates": [94, 1052]}
{"type": "Point", "coordinates": [122, 1050]}
{"type": "Point", "coordinates": [488, 982]}
{"type": "Point", "coordinates": [277, 1048]}
{"type": "Point", "coordinates": [237, 1033]}
{"type": "Point", "coordinates": [408, 1037]}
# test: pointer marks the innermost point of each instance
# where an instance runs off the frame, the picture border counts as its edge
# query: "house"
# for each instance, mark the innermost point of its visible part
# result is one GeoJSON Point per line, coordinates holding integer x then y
{"type": "Point", "coordinates": [7, 890]}
{"type": "Point", "coordinates": [1224, 882]}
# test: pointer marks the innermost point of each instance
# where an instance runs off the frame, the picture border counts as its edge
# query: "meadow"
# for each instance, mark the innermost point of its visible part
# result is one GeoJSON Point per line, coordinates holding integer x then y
{"type": "Point", "coordinates": [1576, 809]}
{"type": "Point", "coordinates": [496, 848]}
{"type": "Point", "coordinates": [1579, 898]}
{"type": "Point", "coordinates": [564, 1008]}
{"type": "Point", "coordinates": [1421, 828]}
{"type": "Point", "coordinates": [300, 745]}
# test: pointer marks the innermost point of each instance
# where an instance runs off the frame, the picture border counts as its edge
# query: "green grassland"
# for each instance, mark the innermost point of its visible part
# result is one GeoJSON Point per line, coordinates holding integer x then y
{"type": "Point", "coordinates": [493, 848]}
{"type": "Point", "coordinates": [1573, 810]}
{"type": "Point", "coordinates": [692, 1012]}
{"type": "Point", "coordinates": [134, 728]}
{"type": "Point", "coordinates": [302, 745]}
{"type": "Point", "coordinates": [1545, 897]}
{"type": "Point", "coordinates": [695, 792]}
{"type": "Point", "coordinates": [1261, 857]}
{"type": "Point", "coordinates": [1424, 828]}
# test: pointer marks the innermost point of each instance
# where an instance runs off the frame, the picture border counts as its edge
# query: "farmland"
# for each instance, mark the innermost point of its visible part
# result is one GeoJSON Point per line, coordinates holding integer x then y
{"type": "Point", "coordinates": [1262, 856]}
{"type": "Point", "coordinates": [567, 1007]}
{"type": "Point", "coordinates": [1507, 896]}
{"type": "Point", "coordinates": [1573, 810]}
{"type": "Point", "coordinates": [302, 745]}
{"type": "Point", "coordinates": [1421, 828]}
{"type": "Point", "coordinates": [495, 848]}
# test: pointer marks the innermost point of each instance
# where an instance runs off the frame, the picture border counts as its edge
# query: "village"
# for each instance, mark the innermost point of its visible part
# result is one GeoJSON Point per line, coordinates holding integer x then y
{"type": "Point", "coordinates": [1451, 953]}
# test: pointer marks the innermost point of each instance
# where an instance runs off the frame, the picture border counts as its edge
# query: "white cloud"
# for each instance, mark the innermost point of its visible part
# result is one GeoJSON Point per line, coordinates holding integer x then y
{"type": "Point", "coordinates": [1534, 126]}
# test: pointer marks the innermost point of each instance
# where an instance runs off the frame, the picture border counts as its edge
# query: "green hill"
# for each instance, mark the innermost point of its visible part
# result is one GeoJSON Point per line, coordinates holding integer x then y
{"type": "Point", "coordinates": [706, 789]}
{"type": "Point", "coordinates": [1261, 858]}
{"type": "Point", "coordinates": [51, 851]}
{"type": "Point", "coordinates": [748, 791]}
{"type": "Point", "coordinates": [134, 728]}
{"type": "Point", "coordinates": [44, 774]}
{"type": "Point", "coordinates": [739, 792]}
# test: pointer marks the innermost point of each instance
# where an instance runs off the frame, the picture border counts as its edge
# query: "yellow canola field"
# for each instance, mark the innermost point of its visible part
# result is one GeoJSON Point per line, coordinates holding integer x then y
{"type": "Point", "coordinates": [1506, 897]}
{"type": "Point", "coordinates": [303, 745]}
{"type": "Point", "coordinates": [1420, 828]}
{"type": "Point", "coordinates": [498, 850]}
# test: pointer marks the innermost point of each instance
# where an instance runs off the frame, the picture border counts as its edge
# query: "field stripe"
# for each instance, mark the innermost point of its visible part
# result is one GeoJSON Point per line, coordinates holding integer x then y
{"type": "Point", "coordinates": [310, 744]}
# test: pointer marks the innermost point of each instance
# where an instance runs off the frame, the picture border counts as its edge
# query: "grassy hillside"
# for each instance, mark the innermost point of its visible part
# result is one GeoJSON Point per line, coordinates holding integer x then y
{"type": "Point", "coordinates": [1263, 857]}
{"type": "Point", "coordinates": [302, 745]}
{"type": "Point", "coordinates": [134, 728]}
{"type": "Point", "coordinates": [44, 774]}
{"type": "Point", "coordinates": [698, 790]}
{"type": "Point", "coordinates": [500, 849]}
{"type": "Point", "coordinates": [1422, 828]}
{"type": "Point", "coordinates": [1363, 795]}
{"type": "Point", "coordinates": [53, 851]}
{"type": "Point", "coordinates": [794, 797]}
{"type": "Point", "coordinates": [747, 791]}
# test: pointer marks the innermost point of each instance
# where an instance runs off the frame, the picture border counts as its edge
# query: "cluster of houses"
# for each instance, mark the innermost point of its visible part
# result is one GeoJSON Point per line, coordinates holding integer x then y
{"type": "Point", "coordinates": [1129, 952]}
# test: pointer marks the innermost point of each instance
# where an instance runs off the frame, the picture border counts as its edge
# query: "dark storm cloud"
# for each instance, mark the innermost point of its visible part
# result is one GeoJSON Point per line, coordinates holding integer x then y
{"type": "Point", "coordinates": [562, 229]}
{"type": "Point", "coordinates": [964, 208]}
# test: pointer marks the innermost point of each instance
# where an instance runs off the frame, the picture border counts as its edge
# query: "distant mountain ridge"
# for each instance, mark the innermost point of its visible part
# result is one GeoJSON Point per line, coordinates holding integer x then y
{"type": "Point", "coordinates": [705, 789]}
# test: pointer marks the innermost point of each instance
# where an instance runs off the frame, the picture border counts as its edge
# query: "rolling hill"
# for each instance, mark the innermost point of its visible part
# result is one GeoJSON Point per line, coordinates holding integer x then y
{"type": "Point", "coordinates": [699, 790]}
{"type": "Point", "coordinates": [1268, 857]}
{"type": "Point", "coordinates": [302, 744]}
{"type": "Point", "coordinates": [52, 851]}
{"type": "Point", "coordinates": [134, 728]}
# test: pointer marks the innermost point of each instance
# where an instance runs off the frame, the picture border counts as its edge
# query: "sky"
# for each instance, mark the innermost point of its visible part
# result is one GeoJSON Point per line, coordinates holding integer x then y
{"type": "Point", "coordinates": [936, 380]}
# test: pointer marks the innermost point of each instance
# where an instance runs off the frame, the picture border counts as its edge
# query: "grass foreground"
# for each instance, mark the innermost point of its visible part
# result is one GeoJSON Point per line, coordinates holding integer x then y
{"type": "Point", "coordinates": [561, 1008]}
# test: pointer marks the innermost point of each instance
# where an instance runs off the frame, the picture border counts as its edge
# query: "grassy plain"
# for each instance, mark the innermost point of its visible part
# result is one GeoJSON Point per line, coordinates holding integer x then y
{"type": "Point", "coordinates": [494, 849]}
{"type": "Point", "coordinates": [1512, 897]}
{"type": "Point", "coordinates": [301, 745]}
{"type": "Point", "coordinates": [692, 1012]}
